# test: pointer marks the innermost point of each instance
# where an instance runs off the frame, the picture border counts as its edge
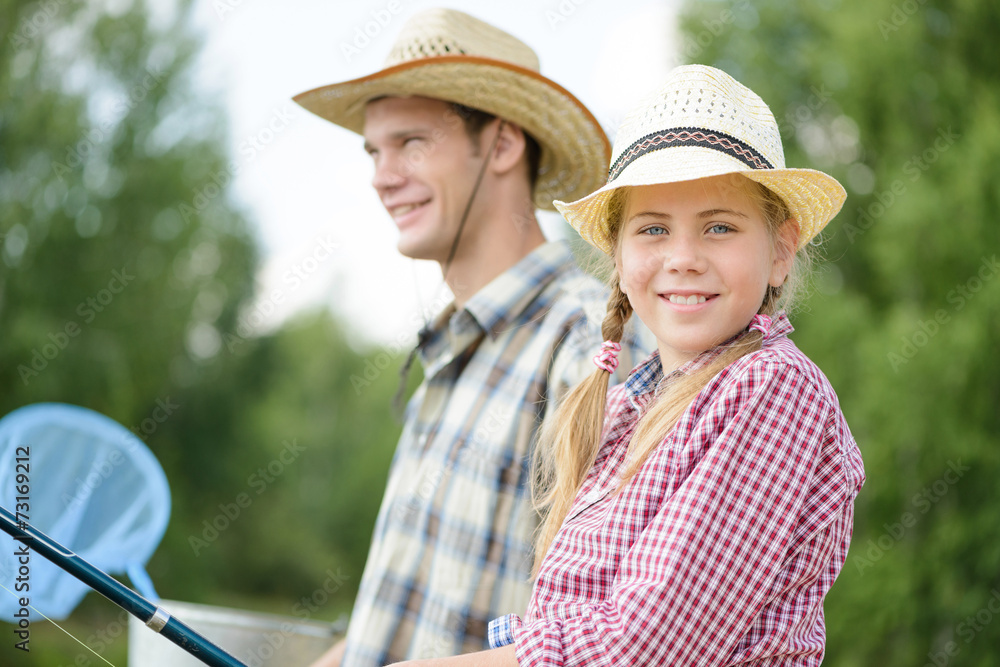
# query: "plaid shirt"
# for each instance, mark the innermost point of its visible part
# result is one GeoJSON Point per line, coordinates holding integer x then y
{"type": "Point", "coordinates": [452, 542]}
{"type": "Point", "coordinates": [722, 547]}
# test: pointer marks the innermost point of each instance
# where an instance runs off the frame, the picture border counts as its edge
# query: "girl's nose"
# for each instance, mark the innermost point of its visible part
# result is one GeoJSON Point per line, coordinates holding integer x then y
{"type": "Point", "coordinates": [683, 254]}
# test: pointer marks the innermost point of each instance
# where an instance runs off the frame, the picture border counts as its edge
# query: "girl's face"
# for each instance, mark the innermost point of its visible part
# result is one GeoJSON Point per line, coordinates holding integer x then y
{"type": "Point", "coordinates": [695, 259]}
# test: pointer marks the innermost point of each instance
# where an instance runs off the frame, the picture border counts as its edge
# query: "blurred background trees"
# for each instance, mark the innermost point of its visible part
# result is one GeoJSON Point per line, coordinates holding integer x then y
{"type": "Point", "coordinates": [126, 274]}
{"type": "Point", "coordinates": [125, 278]}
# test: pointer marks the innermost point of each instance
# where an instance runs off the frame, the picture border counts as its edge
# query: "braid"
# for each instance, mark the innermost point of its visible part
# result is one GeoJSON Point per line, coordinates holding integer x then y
{"type": "Point", "coordinates": [619, 310]}
{"type": "Point", "coordinates": [570, 440]}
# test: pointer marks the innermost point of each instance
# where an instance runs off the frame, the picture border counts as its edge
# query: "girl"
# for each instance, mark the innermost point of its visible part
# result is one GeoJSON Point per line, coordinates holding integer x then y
{"type": "Point", "coordinates": [702, 515]}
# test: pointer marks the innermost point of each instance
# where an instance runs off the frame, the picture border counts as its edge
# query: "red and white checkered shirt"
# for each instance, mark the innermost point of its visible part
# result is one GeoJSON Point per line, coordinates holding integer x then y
{"type": "Point", "coordinates": [722, 547]}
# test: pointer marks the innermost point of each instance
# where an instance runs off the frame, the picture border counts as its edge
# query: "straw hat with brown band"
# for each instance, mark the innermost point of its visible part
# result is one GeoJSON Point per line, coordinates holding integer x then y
{"type": "Point", "coordinates": [448, 55]}
{"type": "Point", "coordinates": [703, 122]}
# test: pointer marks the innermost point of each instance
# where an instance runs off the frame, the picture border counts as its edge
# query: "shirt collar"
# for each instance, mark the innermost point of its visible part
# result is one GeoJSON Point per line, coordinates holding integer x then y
{"type": "Point", "coordinates": [647, 379]}
{"type": "Point", "coordinates": [507, 295]}
{"type": "Point", "coordinates": [493, 308]}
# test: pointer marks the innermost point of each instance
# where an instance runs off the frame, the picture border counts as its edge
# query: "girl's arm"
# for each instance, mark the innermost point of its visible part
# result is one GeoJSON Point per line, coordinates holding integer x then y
{"type": "Point", "coordinates": [498, 657]}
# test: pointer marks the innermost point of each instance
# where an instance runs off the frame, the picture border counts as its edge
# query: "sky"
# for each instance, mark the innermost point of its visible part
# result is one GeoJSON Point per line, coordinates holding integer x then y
{"type": "Point", "coordinates": [305, 183]}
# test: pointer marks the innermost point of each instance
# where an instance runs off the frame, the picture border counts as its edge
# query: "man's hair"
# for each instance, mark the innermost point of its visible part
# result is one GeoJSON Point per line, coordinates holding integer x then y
{"type": "Point", "coordinates": [476, 119]}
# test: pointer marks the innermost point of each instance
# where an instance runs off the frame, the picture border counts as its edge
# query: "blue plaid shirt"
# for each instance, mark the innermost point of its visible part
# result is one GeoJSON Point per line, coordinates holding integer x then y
{"type": "Point", "coordinates": [452, 547]}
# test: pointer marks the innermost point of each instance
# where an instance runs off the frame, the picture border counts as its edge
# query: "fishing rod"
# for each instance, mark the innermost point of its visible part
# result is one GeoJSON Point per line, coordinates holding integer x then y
{"type": "Point", "coordinates": [156, 618]}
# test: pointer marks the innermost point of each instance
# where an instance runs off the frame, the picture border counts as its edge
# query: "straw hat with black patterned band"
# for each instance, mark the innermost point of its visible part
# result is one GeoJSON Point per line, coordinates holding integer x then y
{"type": "Point", "coordinates": [703, 122]}
{"type": "Point", "coordinates": [448, 55]}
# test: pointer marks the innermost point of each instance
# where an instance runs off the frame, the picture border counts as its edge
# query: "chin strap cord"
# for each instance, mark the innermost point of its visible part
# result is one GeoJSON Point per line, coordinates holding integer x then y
{"type": "Point", "coordinates": [424, 334]}
{"type": "Point", "coordinates": [468, 206]}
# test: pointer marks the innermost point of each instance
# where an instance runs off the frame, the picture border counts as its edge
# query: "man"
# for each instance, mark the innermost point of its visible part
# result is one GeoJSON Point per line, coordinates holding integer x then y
{"type": "Point", "coordinates": [467, 138]}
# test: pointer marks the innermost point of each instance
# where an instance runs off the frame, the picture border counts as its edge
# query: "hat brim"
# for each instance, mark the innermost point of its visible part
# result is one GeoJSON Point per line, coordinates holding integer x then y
{"type": "Point", "coordinates": [575, 149]}
{"type": "Point", "coordinates": [813, 198]}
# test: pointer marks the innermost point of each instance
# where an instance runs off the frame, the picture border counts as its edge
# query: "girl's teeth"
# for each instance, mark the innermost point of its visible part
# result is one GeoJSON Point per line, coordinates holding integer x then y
{"type": "Point", "coordinates": [687, 301]}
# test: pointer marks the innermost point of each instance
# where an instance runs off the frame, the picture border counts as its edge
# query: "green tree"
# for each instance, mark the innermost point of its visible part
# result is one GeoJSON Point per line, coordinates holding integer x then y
{"type": "Point", "coordinates": [290, 472]}
{"type": "Point", "coordinates": [901, 102]}
{"type": "Point", "coordinates": [121, 260]}
{"type": "Point", "coordinates": [119, 250]}
{"type": "Point", "coordinates": [125, 275]}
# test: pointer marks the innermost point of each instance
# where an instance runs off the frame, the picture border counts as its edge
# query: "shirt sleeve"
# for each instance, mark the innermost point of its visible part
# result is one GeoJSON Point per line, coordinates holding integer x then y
{"type": "Point", "coordinates": [703, 567]}
{"type": "Point", "coordinates": [500, 631]}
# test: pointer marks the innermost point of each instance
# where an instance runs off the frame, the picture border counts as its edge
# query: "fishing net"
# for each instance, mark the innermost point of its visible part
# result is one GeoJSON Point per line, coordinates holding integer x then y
{"type": "Point", "coordinates": [92, 486]}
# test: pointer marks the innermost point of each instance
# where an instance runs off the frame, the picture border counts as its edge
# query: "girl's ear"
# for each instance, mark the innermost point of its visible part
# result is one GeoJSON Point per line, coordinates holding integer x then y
{"type": "Point", "coordinates": [785, 243]}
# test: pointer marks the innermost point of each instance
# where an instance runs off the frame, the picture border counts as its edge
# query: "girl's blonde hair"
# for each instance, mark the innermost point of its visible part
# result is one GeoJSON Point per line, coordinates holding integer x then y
{"type": "Point", "coordinates": [569, 442]}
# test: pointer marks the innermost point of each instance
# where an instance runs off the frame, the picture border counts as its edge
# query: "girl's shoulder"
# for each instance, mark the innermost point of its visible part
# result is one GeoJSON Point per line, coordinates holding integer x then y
{"type": "Point", "coordinates": [782, 385]}
{"type": "Point", "coordinates": [780, 356]}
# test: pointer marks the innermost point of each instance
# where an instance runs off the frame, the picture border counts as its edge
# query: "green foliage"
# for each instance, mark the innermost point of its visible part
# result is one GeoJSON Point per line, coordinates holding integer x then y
{"type": "Point", "coordinates": [125, 276]}
{"type": "Point", "coordinates": [284, 475]}
{"type": "Point", "coordinates": [901, 102]}
{"type": "Point", "coordinates": [106, 263]}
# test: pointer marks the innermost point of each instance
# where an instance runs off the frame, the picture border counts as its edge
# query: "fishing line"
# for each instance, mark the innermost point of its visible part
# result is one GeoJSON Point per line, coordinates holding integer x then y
{"type": "Point", "coordinates": [58, 626]}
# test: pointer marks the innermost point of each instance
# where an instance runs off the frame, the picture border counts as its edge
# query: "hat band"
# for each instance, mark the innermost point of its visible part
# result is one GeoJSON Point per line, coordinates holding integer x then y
{"type": "Point", "coordinates": [689, 136]}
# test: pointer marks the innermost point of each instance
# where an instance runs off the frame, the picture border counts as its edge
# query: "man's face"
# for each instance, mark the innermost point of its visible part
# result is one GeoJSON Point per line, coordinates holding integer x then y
{"type": "Point", "coordinates": [425, 168]}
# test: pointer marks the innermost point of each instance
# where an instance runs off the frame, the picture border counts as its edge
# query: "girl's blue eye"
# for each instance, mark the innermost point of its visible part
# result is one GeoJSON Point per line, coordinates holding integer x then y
{"type": "Point", "coordinates": [654, 231]}
{"type": "Point", "coordinates": [720, 229]}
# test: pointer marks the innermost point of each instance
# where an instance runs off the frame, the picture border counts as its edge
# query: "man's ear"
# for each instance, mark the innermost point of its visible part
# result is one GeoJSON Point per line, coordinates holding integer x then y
{"type": "Point", "coordinates": [785, 244]}
{"type": "Point", "coordinates": [510, 146]}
